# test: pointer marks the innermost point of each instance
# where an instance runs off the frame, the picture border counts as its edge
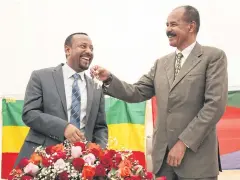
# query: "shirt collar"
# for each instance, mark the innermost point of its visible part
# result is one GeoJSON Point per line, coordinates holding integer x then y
{"type": "Point", "coordinates": [187, 50]}
{"type": "Point", "coordinates": [70, 72]}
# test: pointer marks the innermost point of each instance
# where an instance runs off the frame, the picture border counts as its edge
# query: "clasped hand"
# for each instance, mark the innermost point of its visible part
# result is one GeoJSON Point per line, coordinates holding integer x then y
{"type": "Point", "coordinates": [73, 134]}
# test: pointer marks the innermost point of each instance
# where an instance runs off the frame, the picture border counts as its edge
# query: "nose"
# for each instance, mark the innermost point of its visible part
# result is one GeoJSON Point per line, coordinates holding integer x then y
{"type": "Point", "coordinates": [169, 29]}
{"type": "Point", "coordinates": [89, 50]}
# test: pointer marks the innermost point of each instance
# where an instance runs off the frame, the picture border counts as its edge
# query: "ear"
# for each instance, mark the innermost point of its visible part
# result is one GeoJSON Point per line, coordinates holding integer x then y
{"type": "Point", "coordinates": [192, 26]}
{"type": "Point", "coordinates": [67, 50]}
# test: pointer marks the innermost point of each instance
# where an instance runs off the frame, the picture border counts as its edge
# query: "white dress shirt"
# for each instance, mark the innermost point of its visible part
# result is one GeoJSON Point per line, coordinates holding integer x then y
{"type": "Point", "coordinates": [186, 52]}
{"type": "Point", "coordinates": [68, 82]}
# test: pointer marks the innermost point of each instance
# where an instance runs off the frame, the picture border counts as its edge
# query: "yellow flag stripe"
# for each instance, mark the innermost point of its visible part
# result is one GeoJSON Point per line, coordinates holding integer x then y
{"type": "Point", "coordinates": [13, 138]}
{"type": "Point", "coordinates": [127, 136]}
{"type": "Point", "coordinates": [121, 136]}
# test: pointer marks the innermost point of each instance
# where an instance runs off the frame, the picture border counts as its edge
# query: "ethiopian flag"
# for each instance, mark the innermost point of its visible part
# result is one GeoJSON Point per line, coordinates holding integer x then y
{"type": "Point", "coordinates": [126, 123]}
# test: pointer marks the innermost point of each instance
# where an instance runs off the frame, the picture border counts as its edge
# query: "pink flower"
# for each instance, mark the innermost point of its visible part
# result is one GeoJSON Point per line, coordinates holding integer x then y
{"type": "Point", "coordinates": [89, 158]}
{"type": "Point", "coordinates": [31, 169]}
{"type": "Point", "coordinates": [59, 164]}
{"type": "Point", "coordinates": [76, 151]}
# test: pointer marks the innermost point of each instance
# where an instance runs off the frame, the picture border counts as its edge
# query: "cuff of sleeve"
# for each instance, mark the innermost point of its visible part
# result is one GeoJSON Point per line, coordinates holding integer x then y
{"type": "Point", "coordinates": [185, 144]}
{"type": "Point", "coordinates": [107, 82]}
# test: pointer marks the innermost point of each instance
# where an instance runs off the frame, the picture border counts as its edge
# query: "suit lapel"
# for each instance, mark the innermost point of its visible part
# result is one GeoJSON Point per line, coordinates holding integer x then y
{"type": "Point", "coordinates": [192, 60]}
{"type": "Point", "coordinates": [169, 66]}
{"type": "Point", "coordinates": [90, 89]}
{"type": "Point", "coordinates": [58, 78]}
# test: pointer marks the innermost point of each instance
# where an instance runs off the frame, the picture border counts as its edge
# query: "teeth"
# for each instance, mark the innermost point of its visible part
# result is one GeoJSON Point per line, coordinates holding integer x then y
{"type": "Point", "coordinates": [85, 58]}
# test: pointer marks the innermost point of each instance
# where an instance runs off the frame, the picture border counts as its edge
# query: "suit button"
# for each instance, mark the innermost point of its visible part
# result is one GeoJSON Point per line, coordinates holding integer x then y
{"type": "Point", "coordinates": [169, 110]}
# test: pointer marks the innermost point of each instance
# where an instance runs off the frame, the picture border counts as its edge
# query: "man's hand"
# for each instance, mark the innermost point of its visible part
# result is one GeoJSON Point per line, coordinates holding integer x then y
{"type": "Point", "coordinates": [176, 154]}
{"type": "Point", "coordinates": [100, 73]}
{"type": "Point", "coordinates": [73, 134]}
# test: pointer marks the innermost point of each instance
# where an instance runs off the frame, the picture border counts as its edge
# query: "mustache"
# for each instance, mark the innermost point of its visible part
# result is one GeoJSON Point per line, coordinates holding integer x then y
{"type": "Point", "coordinates": [170, 33]}
{"type": "Point", "coordinates": [87, 55]}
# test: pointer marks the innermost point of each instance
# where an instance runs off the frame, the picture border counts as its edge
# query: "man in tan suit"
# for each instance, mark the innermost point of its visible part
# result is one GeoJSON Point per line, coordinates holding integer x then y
{"type": "Point", "coordinates": [191, 86]}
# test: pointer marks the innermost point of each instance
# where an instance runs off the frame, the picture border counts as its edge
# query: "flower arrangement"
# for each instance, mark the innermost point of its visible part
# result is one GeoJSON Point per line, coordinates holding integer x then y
{"type": "Point", "coordinates": [79, 161]}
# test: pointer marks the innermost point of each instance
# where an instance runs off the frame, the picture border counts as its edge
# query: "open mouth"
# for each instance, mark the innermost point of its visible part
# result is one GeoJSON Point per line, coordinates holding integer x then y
{"type": "Point", "coordinates": [171, 36]}
{"type": "Point", "coordinates": [86, 58]}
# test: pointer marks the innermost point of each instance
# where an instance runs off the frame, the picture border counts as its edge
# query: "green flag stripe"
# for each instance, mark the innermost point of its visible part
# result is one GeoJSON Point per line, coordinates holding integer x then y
{"type": "Point", "coordinates": [234, 98]}
{"type": "Point", "coordinates": [12, 113]}
{"type": "Point", "coordinates": [117, 112]}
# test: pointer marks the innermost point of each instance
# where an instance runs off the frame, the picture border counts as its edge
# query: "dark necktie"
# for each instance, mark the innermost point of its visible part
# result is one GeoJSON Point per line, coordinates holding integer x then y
{"type": "Point", "coordinates": [76, 102]}
{"type": "Point", "coordinates": [179, 57]}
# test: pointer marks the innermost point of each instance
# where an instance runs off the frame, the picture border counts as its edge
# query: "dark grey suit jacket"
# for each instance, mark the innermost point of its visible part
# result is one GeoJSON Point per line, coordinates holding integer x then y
{"type": "Point", "coordinates": [45, 111]}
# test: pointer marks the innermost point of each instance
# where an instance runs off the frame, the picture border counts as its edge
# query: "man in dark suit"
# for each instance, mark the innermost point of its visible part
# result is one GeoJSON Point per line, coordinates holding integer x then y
{"type": "Point", "coordinates": [190, 86]}
{"type": "Point", "coordinates": [63, 102]}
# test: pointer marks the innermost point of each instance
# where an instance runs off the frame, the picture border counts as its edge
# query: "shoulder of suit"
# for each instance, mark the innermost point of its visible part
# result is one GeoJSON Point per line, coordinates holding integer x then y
{"type": "Point", "coordinates": [48, 70]}
{"type": "Point", "coordinates": [211, 50]}
{"type": "Point", "coordinates": [163, 57]}
{"type": "Point", "coordinates": [44, 70]}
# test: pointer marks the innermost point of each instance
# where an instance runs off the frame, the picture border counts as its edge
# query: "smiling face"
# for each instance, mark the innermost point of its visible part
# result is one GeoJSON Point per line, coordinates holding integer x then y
{"type": "Point", "coordinates": [79, 53]}
{"type": "Point", "coordinates": [180, 32]}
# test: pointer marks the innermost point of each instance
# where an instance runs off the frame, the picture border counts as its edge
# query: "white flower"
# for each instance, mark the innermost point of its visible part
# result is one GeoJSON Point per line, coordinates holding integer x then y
{"type": "Point", "coordinates": [31, 169]}
{"type": "Point", "coordinates": [59, 164]}
{"type": "Point", "coordinates": [76, 151]}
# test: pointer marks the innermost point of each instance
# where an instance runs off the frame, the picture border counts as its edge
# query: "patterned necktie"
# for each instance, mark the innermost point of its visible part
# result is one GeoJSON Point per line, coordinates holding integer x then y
{"type": "Point", "coordinates": [179, 57]}
{"type": "Point", "coordinates": [76, 102]}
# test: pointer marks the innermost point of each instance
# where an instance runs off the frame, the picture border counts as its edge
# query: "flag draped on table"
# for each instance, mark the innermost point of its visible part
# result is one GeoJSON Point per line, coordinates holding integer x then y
{"type": "Point", "coordinates": [126, 124]}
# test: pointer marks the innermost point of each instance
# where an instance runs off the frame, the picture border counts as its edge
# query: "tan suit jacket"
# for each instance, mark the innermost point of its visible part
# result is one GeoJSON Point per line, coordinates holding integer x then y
{"type": "Point", "coordinates": [189, 107]}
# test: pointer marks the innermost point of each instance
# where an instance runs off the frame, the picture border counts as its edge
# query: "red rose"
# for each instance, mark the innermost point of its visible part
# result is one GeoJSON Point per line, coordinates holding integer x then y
{"type": "Point", "coordinates": [95, 152]}
{"type": "Point", "coordinates": [82, 145]}
{"type": "Point", "coordinates": [78, 163]}
{"type": "Point", "coordinates": [49, 150]}
{"type": "Point", "coordinates": [26, 177]}
{"type": "Point", "coordinates": [100, 171]}
{"type": "Point", "coordinates": [149, 176]}
{"type": "Point", "coordinates": [116, 161]}
{"type": "Point", "coordinates": [106, 161]}
{"type": "Point", "coordinates": [111, 153]}
{"type": "Point", "coordinates": [63, 175]}
{"type": "Point", "coordinates": [23, 163]}
{"type": "Point", "coordinates": [46, 162]}
{"type": "Point", "coordinates": [59, 155]}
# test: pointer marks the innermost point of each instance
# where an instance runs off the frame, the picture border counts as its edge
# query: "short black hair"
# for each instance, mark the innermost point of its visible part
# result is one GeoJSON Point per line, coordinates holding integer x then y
{"type": "Point", "coordinates": [191, 14]}
{"type": "Point", "coordinates": [68, 40]}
